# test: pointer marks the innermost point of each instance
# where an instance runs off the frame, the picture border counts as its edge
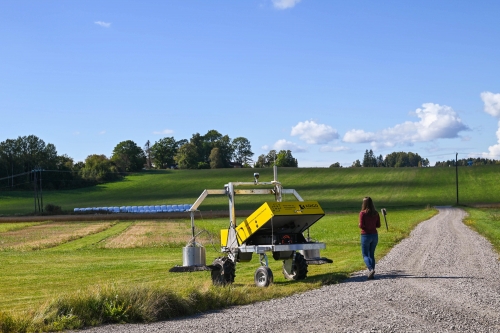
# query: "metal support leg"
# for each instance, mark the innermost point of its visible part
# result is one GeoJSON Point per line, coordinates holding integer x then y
{"type": "Point", "coordinates": [263, 260]}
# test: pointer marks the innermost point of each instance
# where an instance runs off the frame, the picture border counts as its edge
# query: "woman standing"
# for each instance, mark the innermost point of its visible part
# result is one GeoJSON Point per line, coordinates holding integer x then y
{"type": "Point", "coordinates": [369, 221]}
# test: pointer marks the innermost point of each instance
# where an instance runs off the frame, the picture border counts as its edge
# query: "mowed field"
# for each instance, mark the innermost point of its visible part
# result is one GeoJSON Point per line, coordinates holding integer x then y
{"type": "Point", "coordinates": [44, 261]}
{"type": "Point", "coordinates": [41, 261]}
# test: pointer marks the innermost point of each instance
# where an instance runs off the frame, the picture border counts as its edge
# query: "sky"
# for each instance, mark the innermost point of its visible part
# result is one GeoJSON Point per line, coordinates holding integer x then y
{"type": "Point", "coordinates": [327, 80]}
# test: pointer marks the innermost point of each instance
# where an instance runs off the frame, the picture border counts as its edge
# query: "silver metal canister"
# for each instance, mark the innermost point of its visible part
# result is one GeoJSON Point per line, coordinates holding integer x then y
{"type": "Point", "coordinates": [193, 256]}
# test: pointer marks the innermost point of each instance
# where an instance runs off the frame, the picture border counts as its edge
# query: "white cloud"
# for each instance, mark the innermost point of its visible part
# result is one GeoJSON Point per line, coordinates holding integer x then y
{"type": "Point", "coordinates": [491, 103]}
{"type": "Point", "coordinates": [330, 149]}
{"type": "Point", "coordinates": [103, 24]}
{"type": "Point", "coordinates": [494, 151]}
{"type": "Point", "coordinates": [358, 136]}
{"type": "Point", "coordinates": [287, 145]}
{"type": "Point", "coordinates": [102, 132]}
{"type": "Point", "coordinates": [164, 132]}
{"type": "Point", "coordinates": [314, 133]}
{"type": "Point", "coordinates": [284, 4]}
{"type": "Point", "coordinates": [492, 106]}
{"type": "Point", "coordinates": [436, 122]}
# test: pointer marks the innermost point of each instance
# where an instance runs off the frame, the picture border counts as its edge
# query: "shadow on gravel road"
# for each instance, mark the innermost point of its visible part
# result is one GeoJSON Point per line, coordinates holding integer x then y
{"type": "Point", "coordinates": [403, 275]}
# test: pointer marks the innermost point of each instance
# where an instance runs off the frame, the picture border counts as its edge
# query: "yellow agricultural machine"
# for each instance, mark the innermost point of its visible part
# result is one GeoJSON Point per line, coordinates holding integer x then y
{"type": "Point", "coordinates": [277, 227]}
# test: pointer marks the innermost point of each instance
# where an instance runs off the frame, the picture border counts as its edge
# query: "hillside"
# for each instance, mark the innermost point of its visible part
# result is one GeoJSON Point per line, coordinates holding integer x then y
{"type": "Point", "coordinates": [337, 189]}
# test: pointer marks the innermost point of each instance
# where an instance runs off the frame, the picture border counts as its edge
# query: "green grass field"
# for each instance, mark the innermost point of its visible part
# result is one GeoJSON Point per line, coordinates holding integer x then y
{"type": "Point", "coordinates": [337, 189]}
{"type": "Point", "coordinates": [33, 276]}
{"type": "Point", "coordinates": [52, 273]}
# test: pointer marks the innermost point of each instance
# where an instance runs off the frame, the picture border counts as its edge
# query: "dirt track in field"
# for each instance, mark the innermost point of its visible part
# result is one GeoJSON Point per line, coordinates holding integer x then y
{"type": "Point", "coordinates": [48, 234]}
{"type": "Point", "coordinates": [149, 233]}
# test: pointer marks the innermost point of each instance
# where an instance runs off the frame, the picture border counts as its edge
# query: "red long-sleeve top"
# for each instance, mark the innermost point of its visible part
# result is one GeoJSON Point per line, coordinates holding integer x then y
{"type": "Point", "coordinates": [368, 223]}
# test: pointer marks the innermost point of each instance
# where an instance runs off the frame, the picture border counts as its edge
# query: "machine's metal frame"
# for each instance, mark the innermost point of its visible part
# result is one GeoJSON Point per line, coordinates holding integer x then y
{"type": "Point", "coordinates": [234, 250]}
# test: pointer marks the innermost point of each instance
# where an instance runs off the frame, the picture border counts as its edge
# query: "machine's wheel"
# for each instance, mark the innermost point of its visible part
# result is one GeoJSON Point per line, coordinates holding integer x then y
{"type": "Point", "coordinates": [263, 276]}
{"type": "Point", "coordinates": [299, 268]}
{"type": "Point", "coordinates": [225, 272]}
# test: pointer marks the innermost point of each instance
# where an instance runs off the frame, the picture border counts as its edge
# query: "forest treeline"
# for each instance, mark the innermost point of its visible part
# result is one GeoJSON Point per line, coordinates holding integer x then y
{"type": "Point", "coordinates": [467, 162]}
{"type": "Point", "coordinates": [409, 159]}
{"type": "Point", "coordinates": [29, 157]}
{"type": "Point", "coordinates": [392, 160]}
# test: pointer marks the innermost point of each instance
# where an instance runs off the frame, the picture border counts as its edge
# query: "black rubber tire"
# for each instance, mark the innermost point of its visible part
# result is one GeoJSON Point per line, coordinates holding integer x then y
{"type": "Point", "coordinates": [263, 276]}
{"type": "Point", "coordinates": [225, 273]}
{"type": "Point", "coordinates": [299, 268]}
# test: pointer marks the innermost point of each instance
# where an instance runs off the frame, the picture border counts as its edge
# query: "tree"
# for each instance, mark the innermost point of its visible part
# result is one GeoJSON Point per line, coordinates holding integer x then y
{"type": "Point", "coordinates": [22, 156]}
{"type": "Point", "coordinates": [271, 157]}
{"type": "Point", "coordinates": [335, 165]}
{"type": "Point", "coordinates": [198, 141]}
{"type": "Point", "coordinates": [215, 159]}
{"type": "Point", "coordinates": [212, 139]}
{"type": "Point", "coordinates": [187, 156]}
{"type": "Point", "coordinates": [242, 151]}
{"type": "Point", "coordinates": [34, 152]}
{"type": "Point", "coordinates": [286, 159]}
{"type": "Point", "coordinates": [99, 168]}
{"type": "Point", "coordinates": [356, 164]}
{"type": "Point", "coordinates": [163, 152]}
{"type": "Point", "coordinates": [226, 150]}
{"type": "Point", "coordinates": [369, 159]}
{"type": "Point", "coordinates": [208, 142]}
{"type": "Point", "coordinates": [66, 176]}
{"type": "Point", "coordinates": [380, 161]}
{"type": "Point", "coordinates": [402, 159]}
{"type": "Point", "coordinates": [283, 158]}
{"type": "Point", "coordinates": [261, 162]}
{"type": "Point", "coordinates": [128, 156]}
{"type": "Point", "coordinates": [181, 142]}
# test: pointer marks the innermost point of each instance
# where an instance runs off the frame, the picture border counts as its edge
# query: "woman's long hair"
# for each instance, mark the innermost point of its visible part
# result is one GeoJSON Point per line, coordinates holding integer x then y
{"type": "Point", "coordinates": [368, 206]}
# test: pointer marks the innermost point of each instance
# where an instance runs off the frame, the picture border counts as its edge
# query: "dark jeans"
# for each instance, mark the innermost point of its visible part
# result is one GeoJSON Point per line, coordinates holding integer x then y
{"type": "Point", "coordinates": [368, 245]}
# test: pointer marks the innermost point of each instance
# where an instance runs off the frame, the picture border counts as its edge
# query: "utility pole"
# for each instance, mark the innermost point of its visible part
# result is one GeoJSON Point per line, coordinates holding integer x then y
{"type": "Point", "coordinates": [34, 188]}
{"type": "Point", "coordinates": [148, 153]}
{"type": "Point", "coordinates": [456, 173]}
{"type": "Point", "coordinates": [38, 197]}
{"type": "Point", "coordinates": [41, 193]}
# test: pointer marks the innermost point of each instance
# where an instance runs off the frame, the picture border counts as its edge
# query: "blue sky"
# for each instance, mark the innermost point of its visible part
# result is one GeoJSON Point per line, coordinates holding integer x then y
{"type": "Point", "coordinates": [325, 79]}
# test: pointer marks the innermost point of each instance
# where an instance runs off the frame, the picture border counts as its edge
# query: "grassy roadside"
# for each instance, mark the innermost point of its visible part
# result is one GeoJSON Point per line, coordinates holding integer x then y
{"type": "Point", "coordinates": [486, 221]}
{"type": "Point", "coordinates": [85, 282]}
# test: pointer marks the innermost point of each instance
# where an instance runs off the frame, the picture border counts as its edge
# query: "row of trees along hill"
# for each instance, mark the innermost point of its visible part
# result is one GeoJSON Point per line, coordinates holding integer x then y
{"type": "Point", "coordinates": [392, 160]}
{"type": "Point", "coordinates": [21, 158]}
{"type": "Point", "coordinates": [28, 157]}
{"type": "Point", "coordinates": [210, 151]}
{"type": "Point", "coordinates": [403, 159]}
{"type": "Point", "coordinates": [467, 162]}
{"type": "Point", "coordinates": [283, 158]}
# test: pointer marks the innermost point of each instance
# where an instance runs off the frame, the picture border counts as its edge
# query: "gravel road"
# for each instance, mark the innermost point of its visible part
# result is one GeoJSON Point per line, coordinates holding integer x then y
{"type": "Point", "coordinates": [443, 278]}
